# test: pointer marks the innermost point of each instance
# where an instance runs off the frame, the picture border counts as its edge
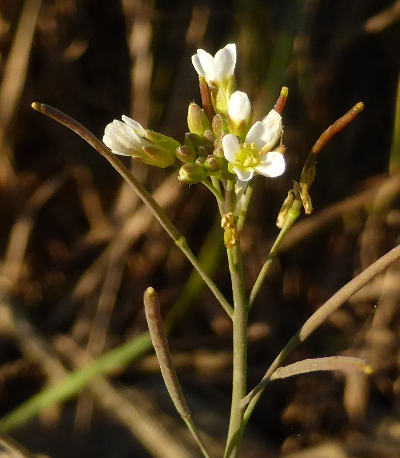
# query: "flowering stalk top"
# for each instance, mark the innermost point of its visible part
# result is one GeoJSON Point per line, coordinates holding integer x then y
{"type": "Point", "coordinates": [221, 144]}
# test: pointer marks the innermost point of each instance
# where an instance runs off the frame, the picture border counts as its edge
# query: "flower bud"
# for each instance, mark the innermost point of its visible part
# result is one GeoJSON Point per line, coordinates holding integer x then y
{"type": "Point", "coordinates": [193, 141]}
{"type": "Point", "coordinates": [213, 164]}
{"type": "Point", "coordinates": [155, 156]}
{"type": "Point", "coordinates": [209, 136]}
{"type": "Point", "coordinates": [197, 120]}
{"type": "Point", "coordinates": [219, 125]}
{"type": "Point", "coordinates": [239, 114]}
{"type": "Point", "coordinates": [218, 151]}
{"type": "Point", "coordinates": [185, 154]}
{"type": "Point", "coordinates": [191, 173]}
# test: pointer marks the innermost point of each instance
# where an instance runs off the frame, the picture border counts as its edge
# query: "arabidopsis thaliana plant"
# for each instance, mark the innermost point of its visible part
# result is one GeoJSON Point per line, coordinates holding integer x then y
{"type": "Point", "coordinates": [255, 155]}
{"type": "Point", "coordinates": [217, 68]}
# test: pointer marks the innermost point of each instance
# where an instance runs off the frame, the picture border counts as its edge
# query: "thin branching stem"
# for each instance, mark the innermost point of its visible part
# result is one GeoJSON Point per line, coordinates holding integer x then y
{"type": "Point", "coordinates": [214, 190]}
{"type": "Point", "coordinates": [143, 194]}
{"type": "Point", "coordinates": [316, 319]}
{"type": "Point", "coordinates": [290, 220]}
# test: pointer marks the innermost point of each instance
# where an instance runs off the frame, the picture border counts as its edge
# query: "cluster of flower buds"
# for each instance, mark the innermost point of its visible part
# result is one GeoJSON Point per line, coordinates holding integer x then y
{"type": "Point", "coordinates": [201, 152]}
{"type": "Point", "coordinates": [222, 142]}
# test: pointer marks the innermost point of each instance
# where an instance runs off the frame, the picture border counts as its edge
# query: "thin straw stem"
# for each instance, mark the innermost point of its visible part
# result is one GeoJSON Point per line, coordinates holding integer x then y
{"type": "Point", "coordinates": [163, 353]}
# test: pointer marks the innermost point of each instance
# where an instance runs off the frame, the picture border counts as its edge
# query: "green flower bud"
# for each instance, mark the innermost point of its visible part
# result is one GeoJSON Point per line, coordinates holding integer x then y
{"type": "Point", "coordinates": [193, 141]}
{"type": "Point", "coordinates": [191, 173]}
{"type": "Point", "coordinates": [185, 154]}
{"type": "Point", "coordinates": [219, 125]}
{"type": "Point", "coordinates": [209, 136]}
{"type": "Point", "coordinates": [152, 155]}
{"type": "Point", "coordinates": [200, 160]}
{"type": "Point", "coordinates": [213, 163]}
{"type": "Point", "coordinates": [197, 120]}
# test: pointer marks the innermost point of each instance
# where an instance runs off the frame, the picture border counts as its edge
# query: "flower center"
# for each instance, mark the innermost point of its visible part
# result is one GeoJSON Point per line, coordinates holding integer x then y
{"type": "Point", "coordinates": [248, 158]}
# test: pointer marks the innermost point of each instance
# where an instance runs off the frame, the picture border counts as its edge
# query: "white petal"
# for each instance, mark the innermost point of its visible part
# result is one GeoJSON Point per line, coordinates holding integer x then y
{"type": "Point", "coordinates": [197, 65]}
{"type": "Point", "coordinates": [121, 138]}
{"type": "Point", "coordinates": [231, 147]}
{"type": "Point", "coordinates": [244, 175]}
{"type": "Point", "coordinates": [239, 108]}
{"type": "Point", "coordinates": [136, 126]}
{"type": "Point", "coordinates": [256, 134]}
{"type": "Point", "coordinates": [272, 164]}
{"type": "Point", "coordinates": [273, 124]}
{"type": "Point", "coordinates": [207, 64]}
{"type": "Point", "coordinates": [232, 49]}
{"type": "Point", "coordinates": [224, 63]}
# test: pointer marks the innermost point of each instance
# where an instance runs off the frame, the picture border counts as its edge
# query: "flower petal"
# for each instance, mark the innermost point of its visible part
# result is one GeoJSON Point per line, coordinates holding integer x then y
{"type": "Point", "coordinates": [232, 49]}
{"type": "Point", "coordinates": [121, 138]}
{"type": "Point", "coordinates": [231, 147]}
{"type": "Point", "coordinates": [207, 64]}
{"type": "Point", "coordinates": [256, 134]}
{"type": "Point", "coordinates": [239, 108]}
{"type": "Point", "coordinates": [224, 62]}
{"type": "Point", "coordinates": [273, 125]}
{"type": "Point", "coordinates": [272, 164]}
{"type": "Point", "coordinates": [197, 65]}
{"type": "Point", "coordinates": [136, 126]}
{"type": "Point", "coordinates": [244, 175]}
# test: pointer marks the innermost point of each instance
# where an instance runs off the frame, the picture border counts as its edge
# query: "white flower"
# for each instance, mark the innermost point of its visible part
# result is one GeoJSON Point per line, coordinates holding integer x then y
{"type": "Point", "coordinates": [217, 68]}
{"type": "Point", "coordinates": [129, 138]}
{"type": "Point", "coordinates": [239, 108]}
{"type": "Point", "coordinates": [255, 155]}
{"type": "Point", "coordinates": [125, 138]}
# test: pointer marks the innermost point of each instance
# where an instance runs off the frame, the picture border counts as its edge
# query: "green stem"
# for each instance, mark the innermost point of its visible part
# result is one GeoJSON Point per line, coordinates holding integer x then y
{"type": "Point", "coordinates": [215, 182]}
{"type": "Point", "coordinates": [140, 190]}
{"type": "Point", "coordinates": [195, 433]}
{"type": "Point", "coordinates": [292, 216]}
{"type": "Point", "coordinates": [239, 384]}
{"type": "Point", "coordinates": [239, 376]}
{"type": "Point", "coordinates": [214, 190]}
{"type": "Point", "coordinates": [243, 210]}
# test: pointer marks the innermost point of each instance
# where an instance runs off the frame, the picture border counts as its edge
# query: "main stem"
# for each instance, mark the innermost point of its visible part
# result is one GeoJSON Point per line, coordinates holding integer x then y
{"type": "Point", "coordinates": [239, 351]}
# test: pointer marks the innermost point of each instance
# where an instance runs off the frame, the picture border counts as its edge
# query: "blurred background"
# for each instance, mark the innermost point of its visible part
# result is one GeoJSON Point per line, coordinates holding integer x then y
{"type": "Point", "coordinates": [77, 248]}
